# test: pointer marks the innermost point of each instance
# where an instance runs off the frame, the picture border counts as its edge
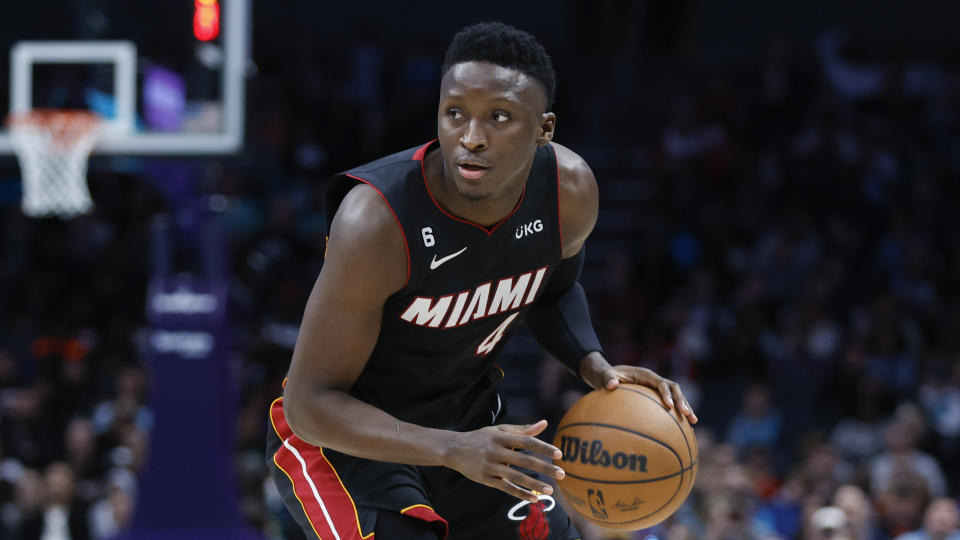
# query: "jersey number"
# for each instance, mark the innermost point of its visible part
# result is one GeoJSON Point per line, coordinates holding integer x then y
{"type": "Point", "coordinates": [427, 234]}
{"type": "Point", "coordinates": [491, 341]}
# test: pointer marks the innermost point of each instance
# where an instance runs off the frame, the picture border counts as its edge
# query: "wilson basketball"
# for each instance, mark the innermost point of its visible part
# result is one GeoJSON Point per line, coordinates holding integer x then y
{"type": "Point", "coordinates": [629, 461]}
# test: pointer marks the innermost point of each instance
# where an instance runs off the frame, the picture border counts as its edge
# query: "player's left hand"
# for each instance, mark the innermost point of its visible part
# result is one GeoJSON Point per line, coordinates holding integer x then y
{"type": "Point", "coordinates": [598, 373]}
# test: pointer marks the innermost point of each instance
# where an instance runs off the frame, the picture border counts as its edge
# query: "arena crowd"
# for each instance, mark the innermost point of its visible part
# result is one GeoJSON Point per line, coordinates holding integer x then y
{"type": "Point", "coordinates": [778, 237]}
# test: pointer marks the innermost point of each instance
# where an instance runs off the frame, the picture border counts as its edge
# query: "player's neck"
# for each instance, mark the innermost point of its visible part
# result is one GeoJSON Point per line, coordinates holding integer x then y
{"type": "Point", "coordinates": [486, 212]}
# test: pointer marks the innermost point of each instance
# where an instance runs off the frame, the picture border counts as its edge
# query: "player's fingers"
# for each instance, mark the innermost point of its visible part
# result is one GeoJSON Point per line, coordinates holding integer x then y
{"type": "Point", "coordinates": [532, 444]}
{"type": "Point", "coordinates": [682, 403]}
{"type": "Point", "coordinates": [526, 461]}
{"type": "Point", "coordinates": [511, 489]}
{"type": "Point", "coordinates": [608, 379]}
{"type": "Point", "coordinates": [677, 394]}
{"type": "Point", "coordinates": [665, 392]}
{"type": "Point", "coordinates": [691, 416]}
{"type": "Point", "coordinates": [611, 379]}
{"type": "Point", "coordinates": [530, 487]}
{"type": "Point", "coordinates": [529, 429]}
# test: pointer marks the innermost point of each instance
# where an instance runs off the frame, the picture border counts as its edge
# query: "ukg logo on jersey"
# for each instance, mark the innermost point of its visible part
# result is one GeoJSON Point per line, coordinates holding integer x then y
{"type": "Point", "coordinates": [530, 228]}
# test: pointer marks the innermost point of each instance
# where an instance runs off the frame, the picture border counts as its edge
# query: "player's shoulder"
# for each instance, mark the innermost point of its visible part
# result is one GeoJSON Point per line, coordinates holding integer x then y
{"type": "Point", "coordinates": [576, 176]}
{"type": "Point", "coordinates": [364, 209]}
{"type": "Point", "coordinates": [365, 197]}
{"type": "Point", "coordinates": [578, 197]}
{"type": "Point", "coordinates": [365, 231]}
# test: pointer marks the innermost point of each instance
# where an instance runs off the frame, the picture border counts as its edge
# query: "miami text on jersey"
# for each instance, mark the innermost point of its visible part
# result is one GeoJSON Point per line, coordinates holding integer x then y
{"type": "Point", "coordinates": [482, 301]}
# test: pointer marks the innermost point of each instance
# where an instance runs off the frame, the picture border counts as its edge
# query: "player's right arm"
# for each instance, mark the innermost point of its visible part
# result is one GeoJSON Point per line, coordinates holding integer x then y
{"type": "Point", "coordinates": [366, 262]}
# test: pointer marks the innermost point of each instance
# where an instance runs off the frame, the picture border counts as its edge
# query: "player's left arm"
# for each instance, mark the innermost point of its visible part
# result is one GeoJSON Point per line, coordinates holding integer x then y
{"type": "Point", "coordinates": [560, 319]}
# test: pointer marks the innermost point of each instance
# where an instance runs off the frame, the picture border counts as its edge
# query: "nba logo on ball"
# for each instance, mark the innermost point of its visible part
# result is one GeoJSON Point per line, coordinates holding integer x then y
{"type": "Point", "coordinates": [630, 462]}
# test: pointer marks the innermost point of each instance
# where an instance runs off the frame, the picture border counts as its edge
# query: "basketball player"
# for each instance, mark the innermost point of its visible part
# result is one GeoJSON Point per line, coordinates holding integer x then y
{"type": "Point", "coordinates": [388, 425]}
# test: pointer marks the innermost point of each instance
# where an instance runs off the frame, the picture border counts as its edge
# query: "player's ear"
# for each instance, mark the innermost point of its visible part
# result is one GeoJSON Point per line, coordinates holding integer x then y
{"type": "Point", "coordinates": [548, 124]}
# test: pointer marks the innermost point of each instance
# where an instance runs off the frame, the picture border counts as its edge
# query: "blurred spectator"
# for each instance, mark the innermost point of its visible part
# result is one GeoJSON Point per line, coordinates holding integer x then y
{"type": "Point", "coordinates": [891, 346]}
{"type": "Point", "coordinates": [680, 531]}
{"type": "Point", "coordinates": [860, 437]}
{"type": "Point", "coordinates": [901, 457]}
{"type": "Point", "coordinates": [900, 503]}
{"type": "Point", "coordinates": [728, 517]}
{"type": "Point", "coordinates": [111, 514]}
{"type": "Point", "coordinates": [25, 431]}
{"type": "Point", "coordinates": [762, 470]}
{"type": "Point", "coordinates": [83, 456]}
{"type": "Point", "coordinates": [859, 512]}
{"type": "Point", "coordinates": [27, 501]}
{"type": "Point", "coordinates": [941, 521]}
{"type": "Point", "coordinates": [62, 516]}
{"type": "Point", "coordinates": [757, 424]}
{"type": "Point", "coordinates": [828, 523]}
{"type": "Point", "coordinates": [126, 406]}
{"type": "Point", "coordinates": [783, 513]}
{"type": "Point", "coordinates": [940, 397]}
{"type": "Point", "coordinates": [825, 471]}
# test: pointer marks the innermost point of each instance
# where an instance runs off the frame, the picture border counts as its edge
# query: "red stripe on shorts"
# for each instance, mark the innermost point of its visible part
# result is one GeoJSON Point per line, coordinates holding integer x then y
{"type": "Point", "coordinates": [330, 494]}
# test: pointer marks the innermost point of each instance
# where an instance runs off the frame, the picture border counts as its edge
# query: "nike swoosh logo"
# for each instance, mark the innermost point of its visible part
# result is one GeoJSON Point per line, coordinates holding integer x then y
{"type": "Point", "coordinates": [436, 263]}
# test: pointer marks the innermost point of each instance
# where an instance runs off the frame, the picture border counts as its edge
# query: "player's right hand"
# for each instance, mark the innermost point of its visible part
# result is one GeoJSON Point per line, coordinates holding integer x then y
{"type": "Point", "coordinates": [489, 456]}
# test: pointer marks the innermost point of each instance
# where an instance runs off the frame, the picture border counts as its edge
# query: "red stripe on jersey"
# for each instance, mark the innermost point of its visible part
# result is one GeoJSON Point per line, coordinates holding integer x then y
{"type": "Point", "coordinates": [422, 151]}
{"type": "Point", "coordinates": [316, 484]}
{"type": "Point", "coordinates": [406, 246]}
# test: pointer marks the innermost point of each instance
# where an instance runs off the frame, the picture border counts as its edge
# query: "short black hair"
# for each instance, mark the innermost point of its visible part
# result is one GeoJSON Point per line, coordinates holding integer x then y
{"type": "Point", "coordinates": [506, 46]}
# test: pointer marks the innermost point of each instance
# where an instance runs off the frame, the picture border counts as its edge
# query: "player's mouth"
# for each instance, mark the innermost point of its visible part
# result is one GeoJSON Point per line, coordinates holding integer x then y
{"type": "Point", "coordinates": [472, 170]}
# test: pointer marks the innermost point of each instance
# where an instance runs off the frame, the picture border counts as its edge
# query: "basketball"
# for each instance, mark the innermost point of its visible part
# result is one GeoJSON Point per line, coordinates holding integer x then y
{"type": "Point", "coordinates": [629, 461]}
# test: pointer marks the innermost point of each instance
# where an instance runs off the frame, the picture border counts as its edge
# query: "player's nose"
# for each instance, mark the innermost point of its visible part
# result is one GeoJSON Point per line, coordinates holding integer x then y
{"type": "Point", "coordinates": [473, 138]}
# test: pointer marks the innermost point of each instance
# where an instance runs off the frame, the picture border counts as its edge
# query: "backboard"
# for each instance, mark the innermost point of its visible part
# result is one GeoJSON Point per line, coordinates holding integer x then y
{"type": "Point", "coordinates": [167, 77]}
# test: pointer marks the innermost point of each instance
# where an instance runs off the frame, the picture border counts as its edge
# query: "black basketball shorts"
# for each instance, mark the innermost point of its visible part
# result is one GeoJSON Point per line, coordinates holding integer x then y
{"type": "Point", "coordinates": [332, 495]}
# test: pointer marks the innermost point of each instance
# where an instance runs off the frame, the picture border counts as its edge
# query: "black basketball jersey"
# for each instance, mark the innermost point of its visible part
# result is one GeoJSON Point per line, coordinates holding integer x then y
{"type": "Point", "coordinates": [467, 288]}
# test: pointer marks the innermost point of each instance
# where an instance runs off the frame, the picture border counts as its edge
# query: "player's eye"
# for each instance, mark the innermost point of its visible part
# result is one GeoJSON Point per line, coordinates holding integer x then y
{"type": "Point", "coordinates": [500, 116]}
{"type": "Point", "coordinates": [453, 114]}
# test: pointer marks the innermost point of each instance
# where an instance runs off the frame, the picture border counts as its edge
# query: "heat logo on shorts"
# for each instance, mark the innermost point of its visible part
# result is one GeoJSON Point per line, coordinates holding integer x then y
{"type": "Point", "coordinates": [593, 453]}
{"type": "Point", "coordinates": [534, 525]}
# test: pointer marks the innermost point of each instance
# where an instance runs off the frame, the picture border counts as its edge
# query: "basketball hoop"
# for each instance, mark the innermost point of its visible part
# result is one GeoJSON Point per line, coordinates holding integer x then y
{"type": "Point", "coordinates": [52, 146]}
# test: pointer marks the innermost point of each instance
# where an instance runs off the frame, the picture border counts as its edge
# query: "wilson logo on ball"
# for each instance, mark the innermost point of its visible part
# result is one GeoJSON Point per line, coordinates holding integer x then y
{"type": "Point", "coordinates": [593, 453]}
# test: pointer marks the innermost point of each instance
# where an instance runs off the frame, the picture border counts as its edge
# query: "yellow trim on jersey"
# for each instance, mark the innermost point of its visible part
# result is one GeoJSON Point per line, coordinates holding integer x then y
{"type": "Point", "coordinates": [335, 473]}
{"type": "Point", "coordinates": [270, 414]}
{"type": "Point", "coordinates": [411, 507]}
{"type": "Point", "coordinates": [294, 489]}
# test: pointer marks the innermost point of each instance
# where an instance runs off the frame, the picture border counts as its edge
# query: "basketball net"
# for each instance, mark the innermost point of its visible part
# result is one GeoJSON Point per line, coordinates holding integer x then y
{"type": "Point", "coordinates": [53, 146]}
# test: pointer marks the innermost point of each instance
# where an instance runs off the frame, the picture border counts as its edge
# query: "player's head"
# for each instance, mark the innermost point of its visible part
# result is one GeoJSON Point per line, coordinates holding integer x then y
{"type": "Point", "coordinates": [497, 88]}
{"type": "Point", "coordinates": [503, 45]}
